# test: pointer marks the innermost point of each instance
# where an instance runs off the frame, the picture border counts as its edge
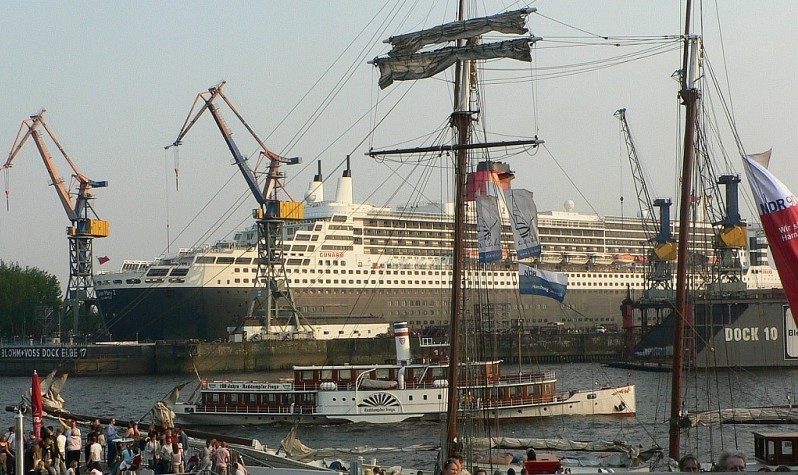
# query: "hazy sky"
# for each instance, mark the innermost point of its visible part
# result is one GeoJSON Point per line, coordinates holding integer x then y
{"type": "Point", "coordinates": [118, 79]}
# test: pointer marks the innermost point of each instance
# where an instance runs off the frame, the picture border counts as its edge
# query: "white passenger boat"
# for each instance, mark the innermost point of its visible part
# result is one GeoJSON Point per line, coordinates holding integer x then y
{"type": "Point", "coordinates": [389, 393]}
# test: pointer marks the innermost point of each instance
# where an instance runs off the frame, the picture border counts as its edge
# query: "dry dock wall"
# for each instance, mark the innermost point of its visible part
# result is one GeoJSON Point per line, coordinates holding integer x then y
{"type": "Point", "coordinates": [183, 357]}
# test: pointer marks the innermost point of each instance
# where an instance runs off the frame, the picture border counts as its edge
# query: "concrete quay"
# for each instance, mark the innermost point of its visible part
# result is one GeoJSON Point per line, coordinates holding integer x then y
{"type": "Point", "coordinates": [182, 357]}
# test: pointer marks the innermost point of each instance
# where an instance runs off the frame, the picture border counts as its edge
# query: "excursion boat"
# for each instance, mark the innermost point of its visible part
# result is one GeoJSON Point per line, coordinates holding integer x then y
{"type": "Point", "coordinates": [390, 393]}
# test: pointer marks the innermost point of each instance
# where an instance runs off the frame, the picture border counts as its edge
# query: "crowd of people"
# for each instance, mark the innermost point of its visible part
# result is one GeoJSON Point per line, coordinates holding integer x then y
{"type": "Point", "coordinates": [98, 450]}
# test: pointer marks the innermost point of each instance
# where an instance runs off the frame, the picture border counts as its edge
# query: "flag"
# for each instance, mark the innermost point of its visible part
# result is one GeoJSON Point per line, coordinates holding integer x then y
{"type": "Point", "coordinates": [540, 282]}
{"type": "Point", "coordinates": [489, 229]}
{"type": "Point", "coordinates": [524, 218]}
{"type": "Point", "coordinates": [36, 405]}
{"type": "Point", "coordinates": [778, 211]}
{"type": "Point", "coordinates": [103, 259]}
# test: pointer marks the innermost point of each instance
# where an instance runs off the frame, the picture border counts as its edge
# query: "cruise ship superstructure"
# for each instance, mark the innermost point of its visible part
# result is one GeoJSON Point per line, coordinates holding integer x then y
{"type": "Point", "coordinates": [346, 258]}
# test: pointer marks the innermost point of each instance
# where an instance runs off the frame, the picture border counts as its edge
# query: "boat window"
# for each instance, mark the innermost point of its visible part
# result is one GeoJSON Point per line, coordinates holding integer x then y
{"type": "Point", "coordinates": [345, 374]}
{"type": "Point", "coordinates": [306, 375]}
{"type": "Point", "coordinates": [225, 260]}
{"type": "Point", "coordinates": [244, 260]}
{"type": "Point", "coordinates": [326, 375]}
{"type": "Point", "coordinates": [307, 398]}
{"type": "Point", "coordinates": [215, 398]}
{"type": "Point", "coordinates": [771, 452]}
{"type": "Point", "coordinates": [133, 281]}
{"type": "Point", "coordinates": [383, 373]}
{"type": "Point", "coordinates": [155, 272]}
{"type": "Point", "coordinates": [591, 396]}
{"type": "Point", "coordinates": [179, 271]}
{"type": "Point", "coordinates": [786, 448]}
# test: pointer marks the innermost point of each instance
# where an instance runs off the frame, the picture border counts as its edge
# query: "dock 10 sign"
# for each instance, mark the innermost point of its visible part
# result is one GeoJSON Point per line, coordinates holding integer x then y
{"type": "Point", "coordinates": [44, 352]}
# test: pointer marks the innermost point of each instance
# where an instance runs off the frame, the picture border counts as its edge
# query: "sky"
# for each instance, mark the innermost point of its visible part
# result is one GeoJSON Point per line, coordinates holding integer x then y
{"type": "Point", "coordinates": [118, 80]}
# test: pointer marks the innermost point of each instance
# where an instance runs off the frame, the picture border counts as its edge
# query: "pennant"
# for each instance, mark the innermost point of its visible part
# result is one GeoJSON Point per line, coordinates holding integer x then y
{"type": "Point", "coordinates": [36, 405]}
{"type": "Point", "coordinates": [489, 229]}
{"type": "Point", "coordinates": [778, 211]}
{"type": "Point", "coordinates": [540, 282]}
{"type": "Point", "coordinates": [524, 219]}
{"type": "Point", "coordinates": [103, 259]}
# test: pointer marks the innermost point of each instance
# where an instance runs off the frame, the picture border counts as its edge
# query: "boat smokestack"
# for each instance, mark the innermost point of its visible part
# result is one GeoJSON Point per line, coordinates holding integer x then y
{"type": "Point", "coordinates": [315, 193]}
{"type": "Point", "coordinates": [345, 185]}
{"type": "Point", "coordinates": [402, 338]}
{"type": "Point", "coordinates": [490, 179]}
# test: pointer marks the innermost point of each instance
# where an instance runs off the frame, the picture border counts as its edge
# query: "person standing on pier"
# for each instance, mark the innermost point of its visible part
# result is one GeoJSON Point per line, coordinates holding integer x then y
{"type": "Point", "coordinates": [73, 444]}
{"type": "Point", "coordinates": [110, 438]}
{"type": "Point", "coordinates": [60, 443]}
{"type": "Point", "coordinates": [221, 458]}
{"type": "Point", "coordinates": [152, 451]}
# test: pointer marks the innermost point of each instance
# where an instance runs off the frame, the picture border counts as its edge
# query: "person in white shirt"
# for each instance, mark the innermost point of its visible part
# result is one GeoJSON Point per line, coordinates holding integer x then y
{"type": "Point", "coordinates": [95, 451]}
{"type": "Point", "coordinates": [152, 451]}
{"type": "Point", "coordinates": [60, 442]}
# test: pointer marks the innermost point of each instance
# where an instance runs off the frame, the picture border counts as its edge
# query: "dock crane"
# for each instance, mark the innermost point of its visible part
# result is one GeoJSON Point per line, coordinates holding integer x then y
{"type": "Point", "coordinates": [663, 253]}
{"type": "Point", "coordinates": [272, 292]}
{"type": "Point", "coordinates": [84, 227]}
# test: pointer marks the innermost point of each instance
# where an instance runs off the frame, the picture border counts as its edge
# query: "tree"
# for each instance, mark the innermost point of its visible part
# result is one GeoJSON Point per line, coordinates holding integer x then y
{"type": "Point", "coordinates": [24, 295]}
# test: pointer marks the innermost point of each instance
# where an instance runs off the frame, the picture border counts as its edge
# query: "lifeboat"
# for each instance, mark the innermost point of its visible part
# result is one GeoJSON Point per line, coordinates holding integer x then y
{"type": "Point", "coordinates": [600, 259]}
{"type": "Point", "coordinates": [550, 258]}
{"type": "Point", "coordinates": [576, 258]}
{"type": "Point", "coordinates": [623, 259]}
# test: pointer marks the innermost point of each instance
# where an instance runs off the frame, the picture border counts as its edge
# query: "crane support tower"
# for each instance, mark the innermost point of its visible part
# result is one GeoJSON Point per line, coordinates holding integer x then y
{"type": "Point", "coordinates": [84, 223]}
{"type": "Point", "coordinates": [272, 293]}
{"type": "Point", "coordinates": [659, 277]}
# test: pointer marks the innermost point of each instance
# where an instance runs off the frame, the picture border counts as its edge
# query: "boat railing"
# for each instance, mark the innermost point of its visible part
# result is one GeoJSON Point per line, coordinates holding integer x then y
{"type": "Point", "coordinates": [520, 378]}
{"type": "Point", "coordinates": [213, 409]}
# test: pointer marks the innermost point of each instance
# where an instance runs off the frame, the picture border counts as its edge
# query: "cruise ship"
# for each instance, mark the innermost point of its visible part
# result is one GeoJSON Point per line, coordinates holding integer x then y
{"type": "Point", "coordinates": [355, 259]}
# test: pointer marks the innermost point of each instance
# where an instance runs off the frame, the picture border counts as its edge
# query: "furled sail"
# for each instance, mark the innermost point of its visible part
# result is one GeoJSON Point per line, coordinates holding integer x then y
{"type": "Point", "coordinates": [524, 217]}
{"type": "Point", "coordinates": [540, 282]}
{"type": "Point", "coordinates": [428, 64]}
{"type": "Point", "coordinates": [489, 229]}
{"type": "Point", "coordinates": [513, 22]}
{"type": "Point", "coordinates": [778, 211]}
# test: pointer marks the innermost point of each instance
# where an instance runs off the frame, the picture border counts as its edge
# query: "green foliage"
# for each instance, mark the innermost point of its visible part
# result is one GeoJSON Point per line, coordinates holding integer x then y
{"type": "Point", "coordinates": [24, 295]}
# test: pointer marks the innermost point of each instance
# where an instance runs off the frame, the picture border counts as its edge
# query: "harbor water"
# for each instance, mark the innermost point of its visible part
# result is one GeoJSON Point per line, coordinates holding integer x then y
{"type": "Point", "coordinates": [131, 397]}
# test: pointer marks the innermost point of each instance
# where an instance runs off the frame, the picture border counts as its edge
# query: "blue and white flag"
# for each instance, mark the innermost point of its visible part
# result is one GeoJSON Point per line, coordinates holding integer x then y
{"type": "Point", "coordinates": [489, 229]}
{"type": "Point", "coordinates": [524, 219]}
{"type": "Point", "coordinates": [540, 282]}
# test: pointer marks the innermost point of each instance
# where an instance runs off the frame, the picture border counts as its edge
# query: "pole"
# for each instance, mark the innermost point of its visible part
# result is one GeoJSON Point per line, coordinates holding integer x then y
{"type": "Point", "coordinates": [689, 95]}
{"type": "Point", "coordinates": [461, 121]}
{"type": "Point", "coordinates": [19, 444]}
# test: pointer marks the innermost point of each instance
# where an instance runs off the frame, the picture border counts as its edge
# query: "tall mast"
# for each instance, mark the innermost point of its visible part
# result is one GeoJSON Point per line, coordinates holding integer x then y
{"type": "Point", "coordinates": [460, 120]}
{"type": "Point", "coordinates": [689, 94]}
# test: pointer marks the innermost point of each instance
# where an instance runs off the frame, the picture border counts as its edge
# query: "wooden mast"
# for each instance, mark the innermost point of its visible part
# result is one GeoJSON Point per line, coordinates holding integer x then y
{"type": "Point", "coordinates": [689, 95]}
{"type": "Point", "coordinates": [460, 120]}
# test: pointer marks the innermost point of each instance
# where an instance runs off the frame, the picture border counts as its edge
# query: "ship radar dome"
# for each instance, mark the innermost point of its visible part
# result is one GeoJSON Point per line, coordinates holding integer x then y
{"type": "Point", "coordinates": [569, 205]}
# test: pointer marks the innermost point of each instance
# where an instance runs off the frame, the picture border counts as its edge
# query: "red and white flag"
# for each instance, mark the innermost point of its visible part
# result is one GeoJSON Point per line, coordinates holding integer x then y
{"type": "Point", "coordinates": [778, 210]}
{"type": "Point", "coordinates": [103, 259]}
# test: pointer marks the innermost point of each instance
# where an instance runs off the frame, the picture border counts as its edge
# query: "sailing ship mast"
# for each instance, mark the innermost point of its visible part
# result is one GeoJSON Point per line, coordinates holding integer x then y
{"type": "Point", "coordinates": [403, 62]}
{"type": "Point", "coordinates": [690, 95]}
